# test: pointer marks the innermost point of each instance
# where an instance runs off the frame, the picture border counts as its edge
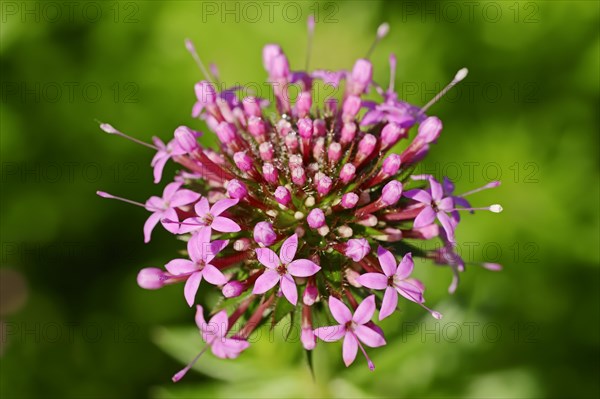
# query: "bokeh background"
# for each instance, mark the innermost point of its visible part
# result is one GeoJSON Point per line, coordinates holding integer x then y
{"type": "Point", "coordinates": [75, 324]}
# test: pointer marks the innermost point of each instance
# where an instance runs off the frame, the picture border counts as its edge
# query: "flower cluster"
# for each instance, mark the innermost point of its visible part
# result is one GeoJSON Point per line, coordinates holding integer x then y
{"type": "Point", "coordinates": [304, 210]}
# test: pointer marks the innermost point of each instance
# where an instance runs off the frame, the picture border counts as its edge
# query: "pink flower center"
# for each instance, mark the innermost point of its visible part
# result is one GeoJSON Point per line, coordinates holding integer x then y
{"type": "Point", "coordinates": [281, 269]}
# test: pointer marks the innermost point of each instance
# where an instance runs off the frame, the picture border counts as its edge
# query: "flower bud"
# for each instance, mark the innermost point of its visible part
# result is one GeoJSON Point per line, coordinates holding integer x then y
{"type": "Point", "coordinates": [357, 249]}
{"type": "Point", "coordinates": [236, 189]}
{"type": "Point", "coordinates": [205, 92]}
{"type": "Point", "coordinates": [429, 129]}
{"type": "Point", "coordinates": [311, 293]}
{"type": "Point", "coordinates": [349, 200]}
{"type": "Point", "coordinates": [226, 132]}
{"type": "Point", "coordinates": [324, 185]}
{"type": "Point", "coordinates": [347, 173]}
{"type": "Point", "coordinates": [186, 139]}
{"type": "Point", "coordinates": [270, 173]}
{"type": "Point", "coordinates": [304, 103]}
{"type": "Point", "coordinates": [264, 233]}
{"type": "Point", "coordinates": [298, 176]}
{"type": "Point", "coordinates": [243, 244]}
{"type": "Point", "coordinates": [391, 165]}
{"type": "Point", "coordinates": [266, 151]}
{"type": "Point", "coordinates": [280, 67]}
{"type": "Point", "coordinates": [390, 134]}
{"type": "Point", "coordinates": [319, 148]}
{"type": "Point", "coordinates": [151, 278]}
{"type": "Point", "coordinates": [334, 153]}
{"type": "Point", "coordinates": [256, 127]}
{"type": "Point", "coordinates": [251, 106]}
{"type": "Point", "coordinates": [391, 193]}
{"type": "Point", "coordinates": [361, 76]}
{"type": "Point", "coordinates": [348, 133]}
{"type": "Point", "coordinates": [319, 128]}
{"type": "Point", "coordinates": [291, 142]}
{"type": "Point", "coordinates": [316, 218]}
{"type": "Point", "coordinates": [308, 339]}
{"type": "Point", "coordinates": [283, 196]}
{"type": "Point", "coordinates": [305, 128]}
{"type": "Point", "coordinates": [233, 289]}
{"type": "Point", "coordinates": [270, 51]}
{"type": "Point", "coordinates": [350, 108]}
{"type": "Point", "coordinates": [243, 161]}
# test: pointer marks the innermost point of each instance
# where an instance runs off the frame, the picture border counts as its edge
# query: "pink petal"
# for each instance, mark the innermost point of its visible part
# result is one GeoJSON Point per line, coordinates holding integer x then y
{"type": "Point", "coordinates": [418, 195]}
{"type": "Point", "coordinates": [159, 165]}
{"type": "Point", "coordinates": [410, 291]}
{"type": "Point", "coordinates": [436, 190]}
{"type": "Point", "coordinates": [267, 258]}
{"type": "Point", "coordinates": [349, 349]}
{"type": "Point", "coordinates": [288, 287]}
{"type": "Point", "coordinates": [288, 249]}
{"type": "Point", "coordinates": [364, 311]}
{"type": "Point", "coordinates": [405, 267]}
{"type": "Point", "coordinates": [222, 205]}
{"type": "Point", "coordinates": [303, 268]}
{"type": "Point", "coordinates": [375, 281]}
{"type": "Point", "coordinates": [330, 333]}
{"type": "Point", "coordinates": [199, 245]}
{"type": "Point", "coordinates": [369, 337]}
{"type": "Point", "coordinates": [265, 282]}
{"type": "Point", "coordinates": [170, 214]}
{"type": "Point", "coordinates": [191, 287]}
{"type": "Point", "coordinates": [216, 247]}
{"type": "Point", "coordinates": [202, 207]}
{"type": "Point", "coordinates": [218, 324]}
{"type": "Point", "coordinates": [339, 310]}
{"type": "Point", "coordinates": [387, 261]}
{"type": "Point", "coordinates": [170, 190]}
{"type": "Point", "coordinates": [190, 224]}
{"type": "Point", "coordinates": [181, 266]}
{"type": "Point", "coordinates": [200, 322]}
{"type": "Point", "coordinates": [447, 225]}
{"type": "Point", "coordinates": [183, 197]}
{"type": "Point", "coordinates": [154, 204]}
{"type": "Point", "coordinates": [389, 304]}
{"type": "Point", "coordinates": [446, 204]}
{"type": "Point", "coordinates": [424, 218]}
{"type": "Point", "coordinates": [225, 225]}
{"type": "Point", "coordinates": [233, 347]}
{"type": "Point", "coordinates": [150, 225]}
{"type": "Point", "coordinates": [213, 275]}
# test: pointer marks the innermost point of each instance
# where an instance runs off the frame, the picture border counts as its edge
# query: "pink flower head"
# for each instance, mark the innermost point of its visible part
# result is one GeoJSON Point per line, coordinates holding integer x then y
{"type": "Point", "coordinates": [394, 280]}
{"type": "Point", "coordinates": [436, 205]}
{"type": "Point", "coordinates": [201, 252]}
{"type": "Point", "coordinates": [353, 328]}
{"type": "Point", "coordinates": [283, 269]}
{"type": "Point", "coordinates": [211, 217]}
{"type": "Point", "coordinates": [164, 208]}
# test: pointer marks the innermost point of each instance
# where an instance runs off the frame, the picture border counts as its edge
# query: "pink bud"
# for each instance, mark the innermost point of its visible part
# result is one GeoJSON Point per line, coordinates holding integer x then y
{"type": "Point", "coordinates": [350, 108]}
{"type": "Point", "coordinates": [390, 135]}
{"type": "Point", "coordinates": [205, 92]}
{"type": "Point", "coordinates": [233, 289]}
{"type": "Point", "coordinates": [331, 105]}
{"type": "Point", "coordinates": [334, 153]}
{"type": "Point", "coordinates": [243, 244]}
{"type": "Point", "coordinates": [429, 129]}
{"type": "Point", "coordinates": [298, 176]}
{"type": "Point", "coordinates": [256, 126]}
{"type": "Point", "coordinates": [283, 127]}
{"type": "Point", "coordinates": [391, 193]}
{"type": "Point", "coordinates": [295, 160]}
{"type": "Point", "coordinates": [283, 196]}
{"type": "Point", "coordinates": [319, 128]}
{"type": "Point", "coordinates": [151, 278]}
{"type": "Point", "coordinates": [270, 173]}
{"type": "Point", "coordinates": [324, 185]}
{"type": "Point", "coordinates": [243, 161]}
{"type": "Point", "coordinates": [349, 200]}
{"type": "Point", "coordinates": [316, 218]}
{"type": "Point", "coordinates": [270, 51]}
{"type": "Point", "coordinates": [362, 73]}
{"type": "Point", "coordinates": [251, 106]}
{"type": "Point", "coordinates": [186, 139]}
{"type": "Point", "coordinates": [236, 189]}
{"type": "Point", "coordinates": [347, 173]}
{"type": "Point", "coordinates": [357, 249]}
{"type": "Point", "coordinates": [266, 151]}
{"type": "Point", "coordinates": [307, 336]}
{"type": "Point", "coordinates": [391, 165]}
{"type": "Point", "coordinates": [303, 104]}
{"type": "Point", "coordinates": [291, 142]}
{"type": "Point", "coordinates": [348, 133]}
{"type": "Point", "coordinates": [319, 148]}
{"type": "Point", "coordinates": [311, 293]}
{"type": "Point", "coordinates": [366, 146]}
{"type": "Point", "coordinates": [226, 132]}
{"type": "Point", "coordinates": [305, 128]}
{"type": "Point", "coordinates": [264, 233]}
{"type": "Point", "coordinates": [280, 67]}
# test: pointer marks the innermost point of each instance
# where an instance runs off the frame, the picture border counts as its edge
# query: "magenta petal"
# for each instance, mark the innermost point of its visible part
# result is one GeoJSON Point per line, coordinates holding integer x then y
{"type": "Point", "coordinates": [159, 165]}
{"type": "Point", "coordinates": [215, 247]}
{"type": "Point", "coordinates": [424, 218]}
{"type": "Point", "coordinates": [303, 268]}
{"type": "Point", "coordinates": [405, 267]}
{"type": "Point", "coordinates": [447, 225]}
{"type": "Point", "coordinates": [150, 225]}
{"type": "Point", "coordinates": [446, 204]}
{"type": "Point", "coordinates": [349, 349]}
{"type": "Point", "coordinates": [202, 207]}
{"type": "Point", "coordinates": [191, 287]}
{"type": "Point", "coordinates": [288, 287]}
{"type": "Point", "coordinates": [183, 197]}
{"type": "Point", "coordinates": [339, 310]}
{"type": "Point", "coordinates": [369, 337]}
{"type": "Point", "coordinates": [387, 261]}
{"type": "Point", "coordinates": [418, 195]}
{"type": "Point", "coordinates": [410, 291]}
{"type": "Point", "coordinates": [265, 282]}
{"type": "Point", "coordinates": [267, 257]}
{"type": "Point", "coordinates": [213, 275]}
{"type": "Point", "coordinates": [222, 205]}
{"type": "Point", "coordinates": [375, 281]}
{"type": "Point", "coordinates": [364, 311]}
{"type": "Point", "coordinates": [199, 244]}
{"type": "Point", "coordinates": [231, 348]}
{"type": "Point", "coordinates": [225, 225]}
{"type": "Point", "coordinates": [170, 190]}
{"type": "Point", "coordinates": [170, 214]}
{"type": "Point", "coordinates": [181, 266]}
{"type": "Point", "coordinates": [288, 249]}
{"type": "Point", "coordinates": [200, 322]}
{"type": "Point", "coordinates": [436, 190]}
{"type": "Point", "coordinates": [389, 304]}
{"type": "Point", "coordinates": [330, 333]}
{"type": "Point", "coordinates": [218, 324]}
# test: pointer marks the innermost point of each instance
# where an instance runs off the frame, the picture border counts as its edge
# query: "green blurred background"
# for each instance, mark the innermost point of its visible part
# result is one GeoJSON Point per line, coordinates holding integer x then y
{"type": "Point", "coordinates": [74, 322]}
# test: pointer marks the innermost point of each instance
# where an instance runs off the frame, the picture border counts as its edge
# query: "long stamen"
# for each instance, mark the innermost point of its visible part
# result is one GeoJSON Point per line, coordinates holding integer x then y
{"type": "Point", "coordinates": [369, 362]}
{"type": "Point", "coordinates": [382, 31]}
{"type": "Point", "coordinates": [180, 374]}
{"type": "Point", "coordinates": [393, 63]}
{"type": "Point", "coordinates": [311, 32]}
{"type": "Point", "coordinates": [460, 75]}
{"type": "Point", "coordinates": [192, 50]}
{"type": "Point", "coordinates": [487, 186]}
{"type": "Point", "coordinates": [496, 208]}
{"type": "Point", "coordinates": [435, 314]}
{"type": "Point", "coordinates": [111, 130]}
{"type": "Point", "coordinates": [110, 196]}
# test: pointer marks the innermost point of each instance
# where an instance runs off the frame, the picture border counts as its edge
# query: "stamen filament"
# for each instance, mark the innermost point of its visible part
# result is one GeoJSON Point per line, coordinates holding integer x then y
{"type": "Point", "coordinates": [110, 196]}
{"type": "Point", "coordinates": [460, 75]}
{"type": "Point", "coordinates": [111, 130]}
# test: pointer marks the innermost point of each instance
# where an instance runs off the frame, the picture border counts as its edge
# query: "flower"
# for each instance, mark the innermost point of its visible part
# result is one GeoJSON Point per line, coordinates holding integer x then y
{"type": "Point", "coordinates": [211, 218]}
{"type": "Point", "coordinates": [201, 251]}
{"type": "Point", "coordinates": [164, 208]}
{"type": "Point", "coordinates": [321, 183]}
{"type": "Point", "coordinates": [283, 269]}
{"type": "Point", "coordinates": [352, 328]}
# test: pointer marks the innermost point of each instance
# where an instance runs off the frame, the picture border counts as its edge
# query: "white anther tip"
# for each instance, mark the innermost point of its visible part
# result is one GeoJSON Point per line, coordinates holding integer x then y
{"type": "Point", "coordinates": [461, 74]}
{"type": "Point", "coordinates": [496, 208]}
{"type": "Point", "coordinates": [383, 30]}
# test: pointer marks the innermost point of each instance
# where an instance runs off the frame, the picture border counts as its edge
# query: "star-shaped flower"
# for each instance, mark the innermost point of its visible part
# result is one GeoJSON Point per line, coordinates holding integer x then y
{"type": "Point", "coordinates": [210, 217]}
